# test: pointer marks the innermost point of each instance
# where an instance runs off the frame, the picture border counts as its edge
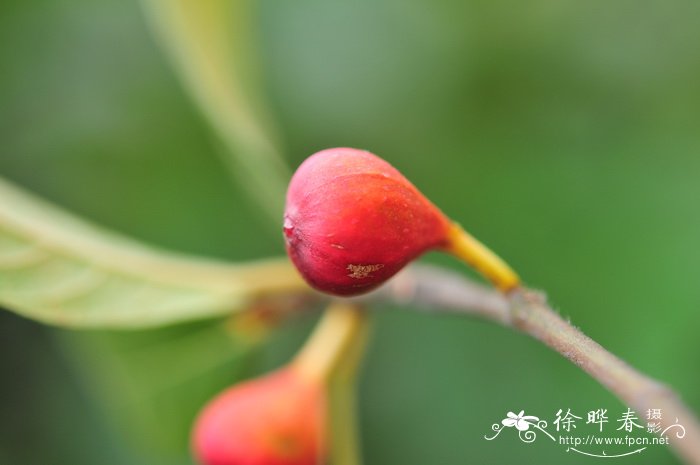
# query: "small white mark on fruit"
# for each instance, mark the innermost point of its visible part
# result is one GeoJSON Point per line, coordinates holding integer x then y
{"type": "Point", "coordinates": [337, 246]}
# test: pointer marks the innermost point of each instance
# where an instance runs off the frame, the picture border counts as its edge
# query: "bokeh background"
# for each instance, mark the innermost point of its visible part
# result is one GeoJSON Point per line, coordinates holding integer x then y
{"type": "Point", "coordinates": [565, 134]}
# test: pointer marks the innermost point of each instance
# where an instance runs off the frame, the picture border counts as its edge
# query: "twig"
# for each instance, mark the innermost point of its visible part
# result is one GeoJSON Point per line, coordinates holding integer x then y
{"type": "Point", "coordinates": [526, 310]}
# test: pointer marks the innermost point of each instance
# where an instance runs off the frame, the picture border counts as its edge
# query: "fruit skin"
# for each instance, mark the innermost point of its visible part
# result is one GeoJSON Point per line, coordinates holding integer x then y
{"type": "Point", "coordinates": [352, 221]}
{"type": "Point", "coordinates": [274, 420]}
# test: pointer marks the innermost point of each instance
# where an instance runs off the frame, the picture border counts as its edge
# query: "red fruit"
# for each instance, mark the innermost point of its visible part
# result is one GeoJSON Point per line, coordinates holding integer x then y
{"type": "Point", "coordinates": [274, 420]}
{"type": "Point", "coordinates": [352, 221]}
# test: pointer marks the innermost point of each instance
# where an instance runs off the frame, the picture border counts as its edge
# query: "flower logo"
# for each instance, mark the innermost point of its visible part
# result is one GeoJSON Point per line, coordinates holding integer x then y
{"type": "Point", "coordinates": [520, 421]}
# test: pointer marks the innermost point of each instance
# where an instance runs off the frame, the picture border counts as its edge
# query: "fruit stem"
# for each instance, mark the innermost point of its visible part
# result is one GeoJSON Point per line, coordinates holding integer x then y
{"type": "Point", "coordinates": [334, 340]}
{"type": "Point", "coordinates": [464, 246]}
{"type": "Point", "coordinates": [345, 440]}
{"type": "Point", "coordinates": [331, 355]}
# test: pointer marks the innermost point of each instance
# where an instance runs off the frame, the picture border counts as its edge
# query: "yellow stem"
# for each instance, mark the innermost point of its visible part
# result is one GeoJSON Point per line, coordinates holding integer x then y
{"type": "Point", "coordinates": [346, 448]}
{"type": "Point", "coordinates": [345, 441]}
{"type": "Point", "coordinates": [331, 342]}
{"type": "Point", "coordinates": [464, 246]}
{"type": "Point", "coordinates": [331, 356]}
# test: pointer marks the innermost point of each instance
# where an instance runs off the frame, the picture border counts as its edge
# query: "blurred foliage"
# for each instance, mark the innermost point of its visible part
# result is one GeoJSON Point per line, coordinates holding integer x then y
{"type": "Point", "coordinates": [61, 270]}
{"type": "Point", "coordinates": [564, 134]}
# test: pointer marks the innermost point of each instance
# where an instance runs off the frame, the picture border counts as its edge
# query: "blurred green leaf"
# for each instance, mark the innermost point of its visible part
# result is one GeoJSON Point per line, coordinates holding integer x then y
{"type": "Point", "coordinates": [210, 44]}
{"type": "Point", "coordinates": [61, 270]}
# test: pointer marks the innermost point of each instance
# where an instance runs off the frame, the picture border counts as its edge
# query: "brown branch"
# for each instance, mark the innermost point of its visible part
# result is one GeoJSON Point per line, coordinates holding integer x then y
{"type": "Point", "coordinates": [439, 290]}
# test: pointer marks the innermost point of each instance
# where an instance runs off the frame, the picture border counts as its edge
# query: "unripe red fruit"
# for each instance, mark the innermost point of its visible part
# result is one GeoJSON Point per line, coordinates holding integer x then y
{"type": "Point", "coordinates": [352, 221]}
{"type": "Point", "coordinates": [274, 420]}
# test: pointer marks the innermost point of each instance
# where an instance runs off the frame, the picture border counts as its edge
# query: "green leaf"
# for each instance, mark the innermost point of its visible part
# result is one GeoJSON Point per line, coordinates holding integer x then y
{"type": "Point", "coordinates": [61, 270]}
{"type": "Point", "coordinates": [211, 45]}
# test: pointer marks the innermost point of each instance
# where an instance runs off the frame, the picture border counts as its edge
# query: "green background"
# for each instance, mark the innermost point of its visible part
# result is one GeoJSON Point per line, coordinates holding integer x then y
{"type": "Point", "coordinates": [564, 134]}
